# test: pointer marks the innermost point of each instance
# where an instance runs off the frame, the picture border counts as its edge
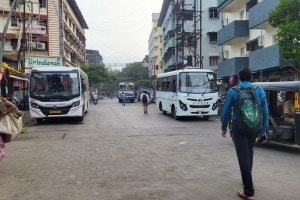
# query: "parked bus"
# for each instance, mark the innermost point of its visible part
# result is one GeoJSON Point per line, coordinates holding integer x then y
{"type": "Point", "coordinates": [58, 92]}
{"type": "Point", "coordinates": [128, 89]}
{"type": "Point", "coordinates": [187, 92]}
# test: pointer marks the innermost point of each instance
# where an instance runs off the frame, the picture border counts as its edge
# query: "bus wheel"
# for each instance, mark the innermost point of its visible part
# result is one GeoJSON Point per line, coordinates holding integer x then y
{"type": "Point", "coordinates": [173, 113]}
{"type": "Point", "coordinates": [39, 120]}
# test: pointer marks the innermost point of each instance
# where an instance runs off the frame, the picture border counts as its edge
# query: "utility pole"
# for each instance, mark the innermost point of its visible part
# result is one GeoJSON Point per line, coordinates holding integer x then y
{"type": "Point", "coordinates": [195, 34]}
{"type": "Point", "coordinates": [200, 47]}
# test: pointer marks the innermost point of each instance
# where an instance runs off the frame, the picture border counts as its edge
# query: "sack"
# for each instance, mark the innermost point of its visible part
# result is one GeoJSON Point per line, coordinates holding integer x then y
{"type": "Point", "coordinates": [248, 111]}
{"type": "Point", "coordinates": [144, 98]}
{"type": "Point", "coordinates": [11, 125]}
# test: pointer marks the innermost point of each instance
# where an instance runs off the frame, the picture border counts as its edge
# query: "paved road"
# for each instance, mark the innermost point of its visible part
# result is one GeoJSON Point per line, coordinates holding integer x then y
{"type": "Point", "coordinates": [118, 153]}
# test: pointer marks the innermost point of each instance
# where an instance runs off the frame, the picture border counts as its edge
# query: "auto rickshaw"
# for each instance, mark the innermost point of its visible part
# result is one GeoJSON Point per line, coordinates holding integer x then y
{"type": "Point", "coordinates": [279, 130]}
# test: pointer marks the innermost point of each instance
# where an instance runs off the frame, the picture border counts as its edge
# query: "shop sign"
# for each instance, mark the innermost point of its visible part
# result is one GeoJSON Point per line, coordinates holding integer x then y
{"type": "Point", "coordinates": [31, 62]}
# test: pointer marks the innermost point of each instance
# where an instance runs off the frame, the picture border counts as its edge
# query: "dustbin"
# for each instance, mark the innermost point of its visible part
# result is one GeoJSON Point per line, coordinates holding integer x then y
{"type": "Point", "coordinates": [297, 128]}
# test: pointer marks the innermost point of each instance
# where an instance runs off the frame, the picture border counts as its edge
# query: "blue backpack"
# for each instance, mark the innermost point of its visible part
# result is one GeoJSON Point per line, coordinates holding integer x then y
{"type": "Point", "coordinates": [248, 110]}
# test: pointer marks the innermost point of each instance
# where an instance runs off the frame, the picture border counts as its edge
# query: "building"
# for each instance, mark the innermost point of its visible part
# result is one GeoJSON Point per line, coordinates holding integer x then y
{"type": "Point", "coordinates": [42, 33]}
{"type": "Point", "coordinates": [189, 34]}
{"type": "Point", "coordinates": [154, 46]}
{"type": "Point", "coordinates": [93, 57]}
{"type": "Point", "coordinates": [248, 40]}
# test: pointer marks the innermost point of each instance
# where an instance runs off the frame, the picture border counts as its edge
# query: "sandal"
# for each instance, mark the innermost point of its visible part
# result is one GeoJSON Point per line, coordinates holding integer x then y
{"type": "Point", "coordinates": [243, 196]}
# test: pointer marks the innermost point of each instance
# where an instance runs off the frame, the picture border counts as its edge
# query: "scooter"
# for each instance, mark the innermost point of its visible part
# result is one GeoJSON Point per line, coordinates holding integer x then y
{"type": "Point", "coordinates": [95, 98]}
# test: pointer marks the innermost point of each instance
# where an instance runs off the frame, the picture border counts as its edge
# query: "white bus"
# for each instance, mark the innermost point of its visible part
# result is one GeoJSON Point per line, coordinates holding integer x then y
{"type": "Point", "coordinates": [187, 92]}
{"type": "Point", "coordinates": [128, 89]}
{"type": "Point", "coordinates": [58, 92]}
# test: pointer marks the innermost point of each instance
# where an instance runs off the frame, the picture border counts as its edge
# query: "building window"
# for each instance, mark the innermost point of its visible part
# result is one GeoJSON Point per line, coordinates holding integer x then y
{"type": "Point", "coordinates": [213, 37]}
{"type": "Point", "coordinates": [15, 22]}
{"type": "Point", "coordinates": [213, 13]}
{"type": "Point", "coordinates": [43, 3]}
{"type": "Point", "coordinates": [213, 60]}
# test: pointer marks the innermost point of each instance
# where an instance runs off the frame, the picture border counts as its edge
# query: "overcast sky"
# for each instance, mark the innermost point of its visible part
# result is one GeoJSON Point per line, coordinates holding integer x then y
{"type": "Point", "coordinates": [119, 29]}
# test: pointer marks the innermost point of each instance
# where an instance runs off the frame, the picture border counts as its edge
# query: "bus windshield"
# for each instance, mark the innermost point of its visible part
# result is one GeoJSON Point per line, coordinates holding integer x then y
{"type": "Point", "coordinates": [54, 86]}
{"type": "Point", "coordinates": [197, 82]}
{"type": "Point", "coordinates": [126, 87]}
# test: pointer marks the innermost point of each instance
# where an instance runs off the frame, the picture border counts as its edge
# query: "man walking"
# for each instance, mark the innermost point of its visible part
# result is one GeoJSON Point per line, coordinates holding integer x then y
{"type": "Point", "coordinates": [145, 101]}
{"type": "Point", "coordinates": [123, 98]}
{"type": "Point", "coordinates": [245, 139]}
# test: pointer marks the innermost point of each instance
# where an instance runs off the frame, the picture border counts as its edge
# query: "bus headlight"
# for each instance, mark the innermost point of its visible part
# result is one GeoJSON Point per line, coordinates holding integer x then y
{"type": "Point", "coordinates": [76, 103]}
{"type": "Point", "coordinates": [182, 106]}
{"type": "Point", "coordinates": [214, 107]}
{"type": "Point", "coordinates": [34, 105]}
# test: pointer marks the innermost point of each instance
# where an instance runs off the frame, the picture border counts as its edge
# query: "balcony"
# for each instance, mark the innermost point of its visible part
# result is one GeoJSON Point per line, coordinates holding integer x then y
{"type": "Point", "coordinates": [258, 15]}
{"type": "Point", "coordinates": [232, 66]}
{"type": "Point", "coordinates": [264, 59]}
{"type": "Point", "coordinates": [225, 5]}
{"type": "Point", "coordinates": [236, 29]}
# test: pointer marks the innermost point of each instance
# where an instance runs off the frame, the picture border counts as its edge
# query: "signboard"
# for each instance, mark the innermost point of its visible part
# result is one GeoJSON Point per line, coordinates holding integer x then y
{"type": "Point", "coordinates": [31, 62]}
{"type": "Point", "coordinates": [36, 29]}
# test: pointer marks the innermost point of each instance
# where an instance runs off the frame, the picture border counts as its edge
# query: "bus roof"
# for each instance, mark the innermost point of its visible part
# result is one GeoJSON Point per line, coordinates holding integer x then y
{"type": "Point", "coordinates": [184, 70]}
{"type": "Point", "coordinates": [56, 68]}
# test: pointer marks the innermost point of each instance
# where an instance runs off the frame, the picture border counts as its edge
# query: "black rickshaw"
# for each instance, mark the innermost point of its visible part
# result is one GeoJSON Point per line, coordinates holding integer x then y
{"type": "Point", "coordinates": [279, 130]}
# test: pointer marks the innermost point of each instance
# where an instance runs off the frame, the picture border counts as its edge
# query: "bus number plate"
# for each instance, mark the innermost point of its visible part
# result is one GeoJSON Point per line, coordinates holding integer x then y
{"type": "Point", "coordinates": [55, 111]}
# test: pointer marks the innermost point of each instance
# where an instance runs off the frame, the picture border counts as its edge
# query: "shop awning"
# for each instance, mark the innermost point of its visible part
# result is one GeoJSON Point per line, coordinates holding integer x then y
{"type": "Point", "coordinates": [12, 70]}
{"type": "Point", "coordinates": [18, 77]}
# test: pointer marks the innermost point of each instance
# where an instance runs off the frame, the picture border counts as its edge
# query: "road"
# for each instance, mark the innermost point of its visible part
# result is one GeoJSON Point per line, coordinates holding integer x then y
{"type": "Point", "coordinates": [118, 153]}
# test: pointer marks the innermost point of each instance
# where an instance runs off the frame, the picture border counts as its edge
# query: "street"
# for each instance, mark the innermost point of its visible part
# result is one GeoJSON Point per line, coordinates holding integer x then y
{"type": "Point", "coordinates": [119, 153]}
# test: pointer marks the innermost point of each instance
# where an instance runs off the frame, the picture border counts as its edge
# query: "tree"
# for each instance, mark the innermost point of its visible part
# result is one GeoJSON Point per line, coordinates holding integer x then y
{"type": "Point", "coordinates": [97, 73]}
{"type": "Point", "coordinates": [134, 71]}
{"type": "Point", "coordinates": [286, 17]}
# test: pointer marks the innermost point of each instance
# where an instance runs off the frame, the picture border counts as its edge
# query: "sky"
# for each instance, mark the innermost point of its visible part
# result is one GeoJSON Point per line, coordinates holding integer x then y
{"type": "Point", "coordinates": [119, 29]}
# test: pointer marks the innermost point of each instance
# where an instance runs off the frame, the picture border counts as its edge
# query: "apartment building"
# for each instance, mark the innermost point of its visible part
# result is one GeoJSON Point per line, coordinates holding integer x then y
{"type": "Point", "coordinates": [154, 45]}
{"type": "Point", "coordinates": [93, 57]}
{"type": "Point", "coordinates": [54, 32]}
{"type": "Point", "coordinates": [189, 34]}
{"type": "Point", "coordinates": [248, 40]}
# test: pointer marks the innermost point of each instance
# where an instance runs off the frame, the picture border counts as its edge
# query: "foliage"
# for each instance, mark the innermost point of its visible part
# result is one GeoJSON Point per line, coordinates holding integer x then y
{"type": "Point", "coordinates": [144, 82]}
{"type": "Point", "coordinates": [97, 73]}
{"type": "Point", "coordinates": [286, 17]}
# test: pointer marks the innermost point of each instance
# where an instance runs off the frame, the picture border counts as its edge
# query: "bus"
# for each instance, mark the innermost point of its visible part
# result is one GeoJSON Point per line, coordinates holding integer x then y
{"type": "Point", "coordinates": [187, 92]}
{"type": "Point", "coordinates": [58, 92]}
{"type": "Point", "coordinates": [128, 89]}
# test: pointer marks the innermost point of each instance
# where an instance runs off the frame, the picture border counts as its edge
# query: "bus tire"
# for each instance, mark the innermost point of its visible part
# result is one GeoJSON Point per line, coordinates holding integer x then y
{"type": "Point", "coordinates": [173, 113]}
{"type": "Point", "coordinates": [39, 120]}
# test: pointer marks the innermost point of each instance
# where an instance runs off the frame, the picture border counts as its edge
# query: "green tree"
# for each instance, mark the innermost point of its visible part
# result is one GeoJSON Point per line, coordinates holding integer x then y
{"type": "Point", "coordinates": [133, 72]}
{"type": "Point", "coordinates": [286, 17]}
{"type": "Point", "coordinates": [97, 73]}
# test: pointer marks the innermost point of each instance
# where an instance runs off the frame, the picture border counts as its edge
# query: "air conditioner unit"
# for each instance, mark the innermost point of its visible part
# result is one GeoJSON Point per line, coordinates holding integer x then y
{"type": "Point", "coordinates": [31, 45]}
{"type": "Point", "coordinates": [261, 41]}
{"type": "Point", "coordinates": [40, 46]}
{"type": "Point", "coordinates": [8, 48]}
{"type": "Point", "coordinates": [225, 54]}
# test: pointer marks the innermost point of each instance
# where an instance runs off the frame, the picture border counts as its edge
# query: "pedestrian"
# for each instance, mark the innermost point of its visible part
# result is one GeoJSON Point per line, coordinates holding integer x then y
{"type": "Point", "coordinates": [145, 101]}
{"type": "Point", "coordinates": [123, 98]}
{"type": "Point", "coordinates": [245, 139]}
{"type": "Point", "coordinates": [6, 107]}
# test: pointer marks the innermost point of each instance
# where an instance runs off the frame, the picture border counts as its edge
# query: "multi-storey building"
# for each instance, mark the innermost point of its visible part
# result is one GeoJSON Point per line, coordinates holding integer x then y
{"type": "Point", "coordinates": [93, 57]}
{"type": "Point", "coordinates": [248, 40]}
{"type": "Point", "coordinates": [40, 33]}
{"type": "Point", "coordinates": [53, 31]}
{"type": "Point", "coordinates": [189, 34]}
{"type": "Point", "coordinates": [154, 45]}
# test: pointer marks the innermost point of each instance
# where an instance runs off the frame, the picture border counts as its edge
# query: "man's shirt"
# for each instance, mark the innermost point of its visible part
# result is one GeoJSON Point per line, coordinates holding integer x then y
{"type": "Point", "coordinates": [230, 105]}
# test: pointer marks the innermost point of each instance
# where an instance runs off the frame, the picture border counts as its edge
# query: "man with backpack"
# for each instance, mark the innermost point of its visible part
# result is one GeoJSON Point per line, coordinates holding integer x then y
{"type": "Point", "coordinates": [247, 109]}
{"type": "Point", "coordinates": [145, 100]}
